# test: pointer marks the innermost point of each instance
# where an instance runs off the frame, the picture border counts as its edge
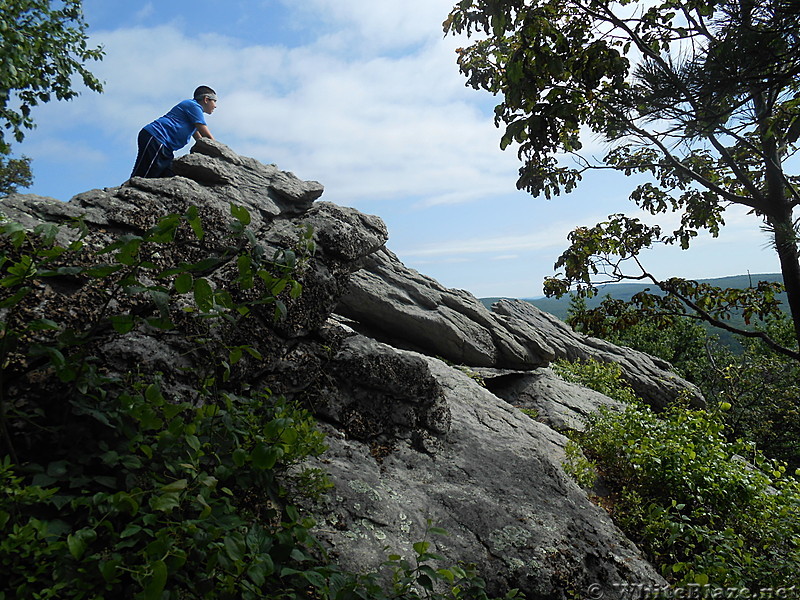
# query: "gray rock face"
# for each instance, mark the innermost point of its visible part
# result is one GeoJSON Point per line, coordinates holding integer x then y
{"type": "Point", "coordinates": [650, 377]}
{"type": "Point", "coordinates": [410, 438]}
{"type": "Point", "coordinates": [495, 484]}
{"type": "Point", "coordinates": [279, 205]}
{"type": "Point", "coordinates": [398, 305]}
{"type": "Point", "coordinates": [382, 397]}
{"type": "Point", "coordinates": [557, 403]}
{"type": "Point", "coordinates": [246, 181]}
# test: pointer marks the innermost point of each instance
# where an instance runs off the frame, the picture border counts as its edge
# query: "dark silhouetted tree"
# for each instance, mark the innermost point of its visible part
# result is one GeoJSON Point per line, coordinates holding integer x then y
{"type": "Point", "coordinates": [700, 96]}
{"type": "Point", "coordinates": [43, 45]}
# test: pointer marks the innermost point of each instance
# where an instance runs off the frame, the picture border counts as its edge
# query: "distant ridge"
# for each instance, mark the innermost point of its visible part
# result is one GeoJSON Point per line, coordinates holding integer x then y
{"type": "Point", "coordinates": [624, 291]}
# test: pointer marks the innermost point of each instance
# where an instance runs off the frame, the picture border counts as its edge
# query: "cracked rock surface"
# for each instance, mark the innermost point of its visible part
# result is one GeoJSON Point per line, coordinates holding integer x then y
{"type": "Point", "coordinates": [399, 306]}
{"type": "Point", "coordinates": [496, 485]}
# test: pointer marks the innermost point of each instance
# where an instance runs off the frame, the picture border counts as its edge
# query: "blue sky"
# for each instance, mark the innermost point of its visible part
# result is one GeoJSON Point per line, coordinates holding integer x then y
{"type": "Point", "coordinates": [364, 96]}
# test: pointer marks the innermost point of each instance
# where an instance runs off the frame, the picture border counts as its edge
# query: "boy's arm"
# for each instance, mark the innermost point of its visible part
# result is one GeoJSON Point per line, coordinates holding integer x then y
{"type": "Point", "coordinates": [202, 131]}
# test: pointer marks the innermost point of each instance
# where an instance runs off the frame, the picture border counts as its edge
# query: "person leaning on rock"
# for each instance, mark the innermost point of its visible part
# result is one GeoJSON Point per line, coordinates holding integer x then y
{"type": "Point", "coordinates": [160, 139]}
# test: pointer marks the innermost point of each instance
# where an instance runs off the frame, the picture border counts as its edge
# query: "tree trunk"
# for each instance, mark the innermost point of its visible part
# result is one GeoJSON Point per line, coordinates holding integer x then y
{"type": "Point", "coordinates": [779, 209]}
{"type": "Point", "coordinates": [780, 218]}
{"type": "Point", "coordinates": [786, 247]}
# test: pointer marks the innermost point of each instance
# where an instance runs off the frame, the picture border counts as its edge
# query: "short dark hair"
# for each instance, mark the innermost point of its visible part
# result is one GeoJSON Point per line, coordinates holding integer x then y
{"type": "Point", "coordinates": [203, 90]}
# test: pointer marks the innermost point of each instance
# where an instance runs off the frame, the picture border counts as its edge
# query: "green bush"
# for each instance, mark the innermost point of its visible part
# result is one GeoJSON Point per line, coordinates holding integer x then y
{"type": "Point", "coordinates": [602, 377]}
{"type": "Point", "coordinates": [161, 492]}
{"type": "Point", "coordinates": [761, 386]}
{"type": "Point", "coordinates": [762, 389]}
{"type": "Point", "coordinates": [706, 510]}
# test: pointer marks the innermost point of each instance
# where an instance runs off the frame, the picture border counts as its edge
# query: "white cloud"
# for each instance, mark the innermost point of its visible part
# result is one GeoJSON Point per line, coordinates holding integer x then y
{"type": "Point", "coordinates": [146, 11]}
{"type": "Point", "coordinates": [369, 27]}
{"type": "Point", "coordinates": [67, 152]}
{"type": "Point", "coordinates": [553, 237]}
{"type": "Point", "coordinates": [375, 128]}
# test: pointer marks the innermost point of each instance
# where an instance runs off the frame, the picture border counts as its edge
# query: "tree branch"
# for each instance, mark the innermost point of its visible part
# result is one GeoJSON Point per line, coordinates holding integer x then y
{"type": "Point", "coordinates": [646, 50]}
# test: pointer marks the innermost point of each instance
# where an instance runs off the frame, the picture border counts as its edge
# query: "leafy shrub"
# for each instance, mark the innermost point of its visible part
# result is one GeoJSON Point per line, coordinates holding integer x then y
{"type": "Point", "coordinates": [577, 466]}
{"type": "Point", "coordinates": [761, 386]}
{"type": "Point", "coordinates": [602, 377]}
{"type": "Point", "coordinates": [161, 491]}
{"type": "Point", "coordinates": [707, 510]}
{"type": "Point", "coordinates": [760, 389]}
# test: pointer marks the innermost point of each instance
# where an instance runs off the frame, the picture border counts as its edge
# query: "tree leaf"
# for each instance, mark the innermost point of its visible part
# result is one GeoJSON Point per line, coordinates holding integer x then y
{"type": "Point", "coordinates": [264, 456]}
{"type": "Point", "coordinates": [158, 580]}
{"type": "Point", "coordinates": [175, 486]}
{"type": "Point", "coordinates": [165, 503]}
{"type": "Point", "coordinates": [122, 323]}
{"type": "Point", "coordinates": [203, 294]}
{"type": "Point", "coordinates": [241, 214]}
{"type": "Point", "coordinates": [183, 283]}
{"type": "Point", "coordinates": [78, 542]}
{"type": "Point", "coordinates": [234, 546]}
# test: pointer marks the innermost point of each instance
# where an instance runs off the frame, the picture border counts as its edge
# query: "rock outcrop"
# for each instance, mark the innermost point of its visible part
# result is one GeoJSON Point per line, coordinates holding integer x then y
{"type": "Point", "coordinates": [398, 305]}
{"type": "Point", "coordinates": [559, 404]}
{"type": "Point", "coordinates": [411, 438]}
{"type": "Point", "coordinates": [494, 482]}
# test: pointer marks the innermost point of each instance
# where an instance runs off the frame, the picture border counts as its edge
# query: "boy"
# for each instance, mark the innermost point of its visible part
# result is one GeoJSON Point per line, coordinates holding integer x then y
{"type": "Point", "coordinates": [161, 138]}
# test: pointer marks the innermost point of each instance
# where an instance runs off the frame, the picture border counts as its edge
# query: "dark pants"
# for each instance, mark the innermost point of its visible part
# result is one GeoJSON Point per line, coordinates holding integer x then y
{"type": "Point", "coordinates": [154, 158]}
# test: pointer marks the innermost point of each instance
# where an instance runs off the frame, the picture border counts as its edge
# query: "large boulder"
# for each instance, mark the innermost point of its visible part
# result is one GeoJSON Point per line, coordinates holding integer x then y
{"type": "Point", "coordinates": [651, 378]}
{"type": "Point", "coordinates": [494, 481]}
{"type": "Point", "coordinates": [560, 404]}
{"type": "Point", "coordinates": [399, 305]}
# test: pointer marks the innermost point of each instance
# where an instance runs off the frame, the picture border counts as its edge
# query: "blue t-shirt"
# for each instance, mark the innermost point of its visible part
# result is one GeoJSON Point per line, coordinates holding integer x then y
{"type": "Point", "coordinates": [175, 128]}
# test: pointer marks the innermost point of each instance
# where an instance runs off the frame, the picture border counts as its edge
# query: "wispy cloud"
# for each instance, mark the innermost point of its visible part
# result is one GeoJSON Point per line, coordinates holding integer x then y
{"type": "Point", "coordinates": [552, 238]}
{"type": "Point", "coordinates": [371, 127]}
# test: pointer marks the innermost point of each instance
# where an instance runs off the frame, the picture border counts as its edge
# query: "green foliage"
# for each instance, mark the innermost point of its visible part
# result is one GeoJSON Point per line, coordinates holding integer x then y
{"type": "Point", "coordinates": [43, 45]}
{"type": "Point", "coordinates": [682, 342]}
{"type": "Point", "coordinates": [14, 173]}
{"type": "Point", "coordinates": [762, 389]}
{"type": "Point", "coordinates": [421, 580]}
{"type": "Point", "coordinates": [602, 377]}
{"type": "Point", "coordinates": [577, 466]}
{"type": "Point", "coordinates": [605, 378]}
{"type": "Point", "coordinates": [744, 312]}
{"type": "Point", "coordinates": [758, 388]}
{"type": "Point", "coordinates": [112, 487]}
{"type": "Point", "coordinates": [697, 99]}
{"type": "Point", "coordinates": [162, 496]}
{"type": "Point", "coordinates": [707, 510]}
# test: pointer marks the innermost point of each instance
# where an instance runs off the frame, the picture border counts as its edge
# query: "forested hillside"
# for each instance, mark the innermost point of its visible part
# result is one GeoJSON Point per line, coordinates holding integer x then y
{"type": "Point", "coordinates": [625, 291]}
